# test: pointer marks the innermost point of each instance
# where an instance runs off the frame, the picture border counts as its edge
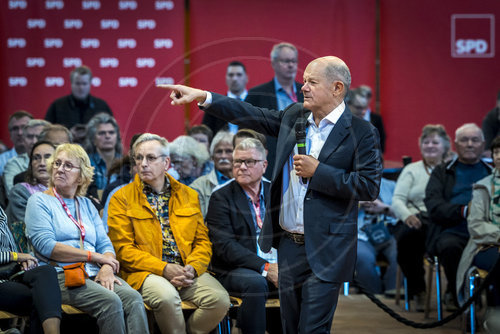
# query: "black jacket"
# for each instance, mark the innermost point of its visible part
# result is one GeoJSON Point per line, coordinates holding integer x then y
{"type": "Point", "coordinates": [68, 111]}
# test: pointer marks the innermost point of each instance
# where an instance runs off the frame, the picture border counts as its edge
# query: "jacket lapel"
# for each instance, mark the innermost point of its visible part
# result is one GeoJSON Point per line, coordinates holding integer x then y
{"type": "Point", "coordinates": [335, 138]}
{"type": "Point", "coordinates": [242, 207]}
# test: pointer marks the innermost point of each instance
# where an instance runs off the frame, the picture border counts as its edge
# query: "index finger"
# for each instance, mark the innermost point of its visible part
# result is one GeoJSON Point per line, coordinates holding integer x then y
{"type": "Point", "coordinates": [167, 86]}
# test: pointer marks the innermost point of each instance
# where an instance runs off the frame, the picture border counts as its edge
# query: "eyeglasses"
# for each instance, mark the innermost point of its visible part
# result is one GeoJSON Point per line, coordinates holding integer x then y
{"type": "Point", "coordinates": [67, 166]}
{"type": "Point", "coordinates": [149, 158]}
{"type": "Point", "coordinates": [288, 61]}
{"type": "Point", "coordinates": [250, 163]}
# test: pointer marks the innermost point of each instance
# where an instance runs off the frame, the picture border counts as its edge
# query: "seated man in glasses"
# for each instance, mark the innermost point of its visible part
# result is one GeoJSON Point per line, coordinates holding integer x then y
{"type": "Point", "coordinates": [234, 218]}
{"type": "Point", "coordinates": [157, 229]}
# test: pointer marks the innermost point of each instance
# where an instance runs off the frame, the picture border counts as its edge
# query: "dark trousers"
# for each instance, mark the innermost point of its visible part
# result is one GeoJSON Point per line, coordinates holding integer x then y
{"type": "Point", "coordinates": [485, 260]}
{"type": "Point", "coordinates": [449, 248]}
{"type": "Point", "coordinates": [37, 295]}
{"type": "Point", "coordinates": [307, 302]}
{"type": "Point", "coordinates": [254, 290]}
{"type": "Point", "coordinates": [411, 250]}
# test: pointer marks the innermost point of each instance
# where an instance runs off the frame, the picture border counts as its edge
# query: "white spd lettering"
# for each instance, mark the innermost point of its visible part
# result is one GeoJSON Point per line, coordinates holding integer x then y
{"type": "Point", "coordinates": [124, 43]}
{"type": "Point", "coordinates": [19, 4]}
{"type": "Point", "coordinates": [110, 24]}
{"type": "Point", "coordinates": [54, 4]}
{"type": "Point", "coordinates": [108, 62]}
{"type": "Point", "coordinates": [16, 43]}
{"type": "Point", "coordinates": [127, 82]}
{"type": "Point", "coordinates": [164, 5]}
{"type": "Point", "coordinates": [72, 62]}
{"type": "Point", "coordinates": [145, 62]}
{"type": "Point", "coordinates": [164, 81]}
{"type": "Point", "coordinates": [35, 62]}
{"type": "Point", "coordinates": [127, 5]}
{"type": "Point", "coordinates": [49, 43]}
{"type": "Point", "coordinates": [54, 82]}
{"type": "Point", "coordinates": [73, 24]}
{"type": "Point", "coordinates": [163, 43]}
{"type": "Point", "coordinates": [18, 81]}
{"type": "Point", "coordinates": [91, 5]}
{"type": "Point", "coordinates": [146, 24]}
{"type": "Point", "coordinates": [35, 23]}
{"type": "Point", "coordinates": [89, 43]}
{"type": "Point", "coordinates": [469, 46]}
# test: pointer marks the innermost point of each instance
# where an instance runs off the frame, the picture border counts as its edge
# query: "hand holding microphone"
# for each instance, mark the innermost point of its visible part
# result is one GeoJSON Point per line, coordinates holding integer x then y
{"type": "Point", "coordinates": [305, 165]}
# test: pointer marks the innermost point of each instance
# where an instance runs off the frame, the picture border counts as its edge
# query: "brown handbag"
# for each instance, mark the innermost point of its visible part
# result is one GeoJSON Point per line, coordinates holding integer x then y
{"type": "Point", "coordinates": [75, 275]}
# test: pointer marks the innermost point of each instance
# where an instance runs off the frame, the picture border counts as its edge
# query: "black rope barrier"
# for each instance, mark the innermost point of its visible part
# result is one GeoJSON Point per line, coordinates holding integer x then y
{"type": "Point", "coordinates": [423, 325]}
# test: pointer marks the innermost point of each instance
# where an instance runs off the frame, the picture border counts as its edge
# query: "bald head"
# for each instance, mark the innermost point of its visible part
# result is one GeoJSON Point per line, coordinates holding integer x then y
{"type": "Point", "coordinates": [335, 69]}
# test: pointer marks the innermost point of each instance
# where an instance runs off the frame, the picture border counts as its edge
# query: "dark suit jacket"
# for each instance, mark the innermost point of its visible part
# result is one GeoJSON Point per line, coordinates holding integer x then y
{"type": "Point", "coordinates": [376, 120]}
{"type": "Point", "coordinates": [264, 96]}
{"type": "Point", "coordinates": [349, 171]}
{"type": "Point", "coordinates": [232, 230]}
{"type": "Point", "coordinates": [67, 111]}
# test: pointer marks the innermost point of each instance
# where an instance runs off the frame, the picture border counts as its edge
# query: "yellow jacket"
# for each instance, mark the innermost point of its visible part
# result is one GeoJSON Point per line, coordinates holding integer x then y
{"type": "Point", "coordinates": [136, 232]}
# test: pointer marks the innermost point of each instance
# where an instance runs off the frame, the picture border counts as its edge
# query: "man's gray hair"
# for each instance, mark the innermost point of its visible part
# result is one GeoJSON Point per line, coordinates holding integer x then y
{"type": "Point", "coordinates": [186, 146]}
{"type": "Point", "coordinates": [33, 123]}
{"type": "Point", "coordinates": [251, 143]}
{"type": "Point", "coordinates": [340, 72]}
{"type": "Point", "coordinates": [150, 137]}
{"type": "Point", "coordinates": [473, 126]}
{"type": "Point", "coordinates": [94, 122]}
{"type": "Point", "coordinates": [55, 128]}
{"type": "Point", "coordinates": [277, 48]}
{"type": "Point", "coordinates": [221, 137]}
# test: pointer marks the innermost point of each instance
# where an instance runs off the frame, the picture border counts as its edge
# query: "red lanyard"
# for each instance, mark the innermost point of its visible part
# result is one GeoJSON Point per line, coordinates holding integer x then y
{"type": "Point", "coordinates": [78, 222]}
{"type": "Point", "coordinates": [256, 208]}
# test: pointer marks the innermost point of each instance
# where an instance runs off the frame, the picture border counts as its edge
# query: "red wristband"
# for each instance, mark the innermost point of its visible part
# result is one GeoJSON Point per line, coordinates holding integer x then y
{"type": "Point", "coordinates": [89, 256]}
{"type": "Point", "coordinates": [266, 266]}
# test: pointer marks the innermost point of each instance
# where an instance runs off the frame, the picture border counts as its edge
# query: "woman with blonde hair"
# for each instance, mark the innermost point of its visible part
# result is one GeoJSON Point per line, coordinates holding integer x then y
{"type": "Point", "coordinates": [65, 229]}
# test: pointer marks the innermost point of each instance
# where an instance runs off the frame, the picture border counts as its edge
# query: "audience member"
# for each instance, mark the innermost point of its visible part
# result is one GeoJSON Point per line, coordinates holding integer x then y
{"type": "Point", "coordinates": [64, 227]}
{"type": "Point", "coordinates": [221, 151]}
{"type": "Point", "coordinates": [234, 220]}
{"type": "Point", "coordinates": [16, 124]}
{"type": "Point", "coordinates": [78, 107]}
{"type": "Point", "coordinates": [236, 81]}
{"type": "Point", "coordinates": [189, 159]}
{"type": "Point", "coordinates": [280, 92]}
{"type": "Point", "coordinates": [372, 117]}
{"type": "Point", "coordinates": [157, 228]}
{"type": "Point", "coordinates": [249, 133]}
{"type": "Point", "coordinates": [36, 180]}
{"type": "Point", "coordinates": [447, 195]}
{"type": "Point", "coordinates": [482, 249]}
{"type": "Point", "coordinates": [104, 145]}
{"type": "Point", "coordinates": [36, 293]}
{"type": "Point", "coordinates": [19, 163]}
{"type": "Point", "coordinates": [202, 134]}
{"type": "Point", "coordinates": [374, 240]}
{"type": "Point", "coordinates": [3, 147]}
{"type": "Point", "coordinates": [414, 234]}
{"type": "Point", "coordinates": [491, 124]}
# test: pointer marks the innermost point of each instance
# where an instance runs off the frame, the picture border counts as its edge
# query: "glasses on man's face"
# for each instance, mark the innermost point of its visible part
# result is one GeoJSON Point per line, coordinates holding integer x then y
{"type": "Point", "coordinates": [150, 158]}
{"type": "Point", "coordinates": [67, 166]}
{"type": "Point", "coordinates": [288, 61]}
{"type": "Point", "coordinates": [250, 163]}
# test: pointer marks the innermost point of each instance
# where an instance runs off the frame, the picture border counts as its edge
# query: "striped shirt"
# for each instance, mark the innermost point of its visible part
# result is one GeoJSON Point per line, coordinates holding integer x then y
{"type": "Point", "coordinates": [7, 244]}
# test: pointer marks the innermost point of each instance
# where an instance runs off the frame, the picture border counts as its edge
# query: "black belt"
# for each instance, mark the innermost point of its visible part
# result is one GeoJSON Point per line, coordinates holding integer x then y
{"type": "Point", "coordinates": [295, 237]}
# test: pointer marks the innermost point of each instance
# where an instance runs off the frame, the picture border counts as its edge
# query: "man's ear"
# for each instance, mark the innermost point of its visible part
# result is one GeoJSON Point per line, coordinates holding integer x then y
{"type": "Point", "coordinates": [338, 88]}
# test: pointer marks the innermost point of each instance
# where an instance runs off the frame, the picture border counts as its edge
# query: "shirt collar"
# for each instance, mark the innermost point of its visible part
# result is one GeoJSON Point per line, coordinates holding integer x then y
{"type": "Point", "coordinates": [147, 189]}
{"type": "Point", "coordinates": [242, 96]}
{"type": "Point", "coordinates": [278, 87]}
{"type": "Point", "coordinates": [221, 178]}
{"type": "Point", "coordinates": [332, 117]}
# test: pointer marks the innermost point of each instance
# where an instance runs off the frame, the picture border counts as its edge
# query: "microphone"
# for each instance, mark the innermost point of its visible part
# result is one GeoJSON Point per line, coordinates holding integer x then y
{"type": "Point", "coordinates": [300, 137]}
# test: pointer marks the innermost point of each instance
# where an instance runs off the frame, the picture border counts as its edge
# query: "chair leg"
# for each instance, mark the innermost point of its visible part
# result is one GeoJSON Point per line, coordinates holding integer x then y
{"type": "Point", "coordinates": [407, 298]}
{"type": "Point", "coordinates": [428, 292]}
{"type": "Point", "coordinates": [397, 297]}
{"type": "Point", "coordinates": [438, 288]}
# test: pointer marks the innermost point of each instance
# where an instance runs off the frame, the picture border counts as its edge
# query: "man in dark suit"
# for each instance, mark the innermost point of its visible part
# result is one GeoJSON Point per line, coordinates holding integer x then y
{"type": "Point", "coordinates": [234, 219]}
{"type": "Point", "coordinates": [280, 92]}
{"type": "Point", "coordinates": [311, 223]}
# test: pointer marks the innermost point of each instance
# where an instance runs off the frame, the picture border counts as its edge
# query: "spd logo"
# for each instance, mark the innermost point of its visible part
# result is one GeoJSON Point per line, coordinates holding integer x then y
{"type": "Point", "coordinates": [127, 82]}
{"type": "Point", "coordinates": [96, 81]}
{"type": "Point", "coordinates": [124, 43]}
{"type": "Point", "coordinates": [54, 4]}
{"type": "Point", "coordinates": [35, 23]}
{"type": "Point", "coordinates": [145, 62]}
{"type": "Point", "coordinates": [89, 43]}
{"type": "Point", "coordinates": [163, 43]}
{"type": "Point", "coordinates": [50, 43]}
{"type": "Point", "coordinates": [127, 5]}
{"type": "Point", "coordinates": [35, 62]}
{"type": "Point", "coordinates": [108, 62]}
{"type": "Point", "coordinates": [164, 5]}
{"type": "Point", "coordinates": [19, 4]}
{"type": "Point", "coordinates": [110, 24]}
{"type": "Point", "coordinates": [91, 4]}
{"type": "Point", "coordinates": [16, 43]}
{"type": "Point", "coordinates": [72, 62]}
{"type": "Point", "coordinates": [18, 81]}
{"type": "Point", "coordinates": [146, 24]}
{"type": "Point", "coordinates": [54, 82]}
{"type": "Point", "coordinates": [164, 81]}
{"type": "Point", "coordinates": [472, 35]}
{"type": "Point", "coordinates": [73, 24]}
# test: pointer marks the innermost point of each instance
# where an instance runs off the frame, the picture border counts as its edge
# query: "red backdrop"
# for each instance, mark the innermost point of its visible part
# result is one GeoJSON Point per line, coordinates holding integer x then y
{"type": "Point", "coordinates": [421, 81]}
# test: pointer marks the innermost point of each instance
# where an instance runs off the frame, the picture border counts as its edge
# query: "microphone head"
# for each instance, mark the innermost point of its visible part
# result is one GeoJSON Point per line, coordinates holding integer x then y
{"type": "Point", "coordinates": [300, 128]}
